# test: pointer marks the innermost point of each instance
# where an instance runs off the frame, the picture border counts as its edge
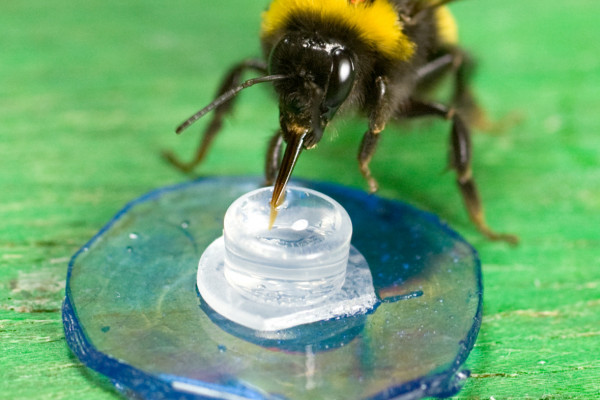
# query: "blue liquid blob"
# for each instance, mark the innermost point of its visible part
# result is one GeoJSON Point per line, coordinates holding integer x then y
{"type": "Point", "coordinates": [164, 341]}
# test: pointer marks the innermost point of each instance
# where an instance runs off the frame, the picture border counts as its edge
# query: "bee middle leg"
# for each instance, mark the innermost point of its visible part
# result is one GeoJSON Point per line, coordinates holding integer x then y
{"type": "Point", "coordinates": [231, 80]}
{"type": "Point", "coordinates": [365, 154]}
{"type": "Point", "coordinates": [460, 161]}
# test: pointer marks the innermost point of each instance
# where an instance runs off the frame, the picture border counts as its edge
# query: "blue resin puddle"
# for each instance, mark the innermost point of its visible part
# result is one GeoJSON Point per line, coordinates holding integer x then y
{"type": "Point", "coordinates": [132, 311]}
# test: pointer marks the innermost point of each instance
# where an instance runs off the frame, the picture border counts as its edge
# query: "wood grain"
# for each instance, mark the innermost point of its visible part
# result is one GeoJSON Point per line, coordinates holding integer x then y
{"type": "Point", "coordinates": [90, 93]}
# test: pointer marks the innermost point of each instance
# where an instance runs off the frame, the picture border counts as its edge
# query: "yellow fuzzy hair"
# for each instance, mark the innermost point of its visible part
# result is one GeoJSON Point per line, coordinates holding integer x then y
{"type": "Point", "coordinates": [376, 24]}
{"type": "Point", "coordinates": [446, 26]}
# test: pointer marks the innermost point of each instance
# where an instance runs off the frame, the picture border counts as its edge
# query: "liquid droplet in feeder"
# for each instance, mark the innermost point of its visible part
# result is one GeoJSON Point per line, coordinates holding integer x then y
{"type": "Point", "coordinates": [274, 206]}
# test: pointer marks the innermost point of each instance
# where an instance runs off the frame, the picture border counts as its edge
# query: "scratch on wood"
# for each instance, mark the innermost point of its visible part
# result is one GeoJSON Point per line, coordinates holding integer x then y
{"type": "Point", "coordinates": [581, 334]}
{"type": "Point", "coordinates": [522, 313]}
{"type": "Point", "coordinates": [59, 260]}
{"type": "Point", "coordinates": [494, 375]}
{"type": "Point", "coordinates": [32, 306]}
{"type": "Point", "coordinates": [593, 303]}
{"type": "Point", "coordinates": [28, 322]}
{"type": "Point", "coordinates": [39, 291]}
{"type": "Point", "coordinates": [42, 280]}
{"type": "Point", "coordinates": [539, 372]}
{"type": "Point", "coordinates": [64, 366]}
{"type": "Point", "coordinates": [588, 285]}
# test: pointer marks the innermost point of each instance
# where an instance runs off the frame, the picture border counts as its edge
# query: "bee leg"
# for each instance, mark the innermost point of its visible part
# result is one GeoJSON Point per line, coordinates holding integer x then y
{"type": "Point", "coordinates": [463, 98]}
{"type": "Point", "coordinates": [377, 121]}
{"type": "Point", "coordinates": [367, 149]}
{"type": "Point", "coordinates": [460, 161]}
{"type": "Point", "coordinates": [431, 72]}
{"type": "Point", "coordinates": [273, 160]}
{"type": "Point", "coordinates": [462, 66]}
{"type": "Point", "coordinates": [232, 79]}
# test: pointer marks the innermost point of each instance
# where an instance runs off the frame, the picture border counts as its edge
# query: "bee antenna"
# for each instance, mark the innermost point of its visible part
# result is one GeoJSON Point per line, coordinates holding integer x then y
{"type": "Point", "coordinates": [226, 97]}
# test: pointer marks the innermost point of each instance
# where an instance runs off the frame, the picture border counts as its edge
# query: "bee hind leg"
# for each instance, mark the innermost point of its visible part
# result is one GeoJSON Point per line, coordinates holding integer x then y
{"type": "Point", "coordinates": [459, 63]}
{"type": "Point", "coordinates": [463, 98]}
{"type": "Point", "coordinates": [460, 161]}
{"type": "Point", "coordinates": [232, 79]}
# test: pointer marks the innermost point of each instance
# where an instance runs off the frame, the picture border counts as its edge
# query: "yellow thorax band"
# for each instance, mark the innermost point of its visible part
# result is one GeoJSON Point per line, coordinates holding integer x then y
{"type": "Point", "coordinates": [375, 23]}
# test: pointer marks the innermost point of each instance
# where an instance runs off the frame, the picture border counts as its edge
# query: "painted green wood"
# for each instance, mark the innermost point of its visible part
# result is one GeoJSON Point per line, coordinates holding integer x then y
{"type": "Point", "coordinates": [91, 91]}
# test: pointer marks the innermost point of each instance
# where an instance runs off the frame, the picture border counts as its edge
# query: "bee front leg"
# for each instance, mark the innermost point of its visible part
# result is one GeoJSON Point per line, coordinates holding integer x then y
{"type": "Point", "coordinates": [377, 122]}
{"type": "Point", "coordinates": [460, 161]}
{"type": "Point", "coordinates": [231, 80]}
{"type": "Point", "coordinates": [273, 159]}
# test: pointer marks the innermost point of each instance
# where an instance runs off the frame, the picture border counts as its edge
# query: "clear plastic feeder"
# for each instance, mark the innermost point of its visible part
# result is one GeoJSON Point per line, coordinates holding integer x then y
{"type": "Point", "coordinates": [302, 258]}
{"type": "Point", "coordinates": [300, 270]}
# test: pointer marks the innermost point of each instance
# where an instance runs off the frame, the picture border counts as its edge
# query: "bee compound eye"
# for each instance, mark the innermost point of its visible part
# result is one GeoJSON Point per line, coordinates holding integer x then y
{"type": "Point", "coordinates": [341, 79]}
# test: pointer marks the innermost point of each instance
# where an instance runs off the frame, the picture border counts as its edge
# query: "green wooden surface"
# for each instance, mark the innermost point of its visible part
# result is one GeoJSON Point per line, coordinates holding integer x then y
{"type": "Point", "coordinates": [89, 95]}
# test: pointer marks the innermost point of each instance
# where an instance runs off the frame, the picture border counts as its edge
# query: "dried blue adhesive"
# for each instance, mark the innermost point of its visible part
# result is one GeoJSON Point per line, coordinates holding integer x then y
{"type": "Point", "coordinates": [138, 276]}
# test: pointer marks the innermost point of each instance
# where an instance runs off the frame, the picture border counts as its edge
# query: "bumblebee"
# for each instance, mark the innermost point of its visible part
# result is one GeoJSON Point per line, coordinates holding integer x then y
{"type": "Point", "coordinates": [325, 57]}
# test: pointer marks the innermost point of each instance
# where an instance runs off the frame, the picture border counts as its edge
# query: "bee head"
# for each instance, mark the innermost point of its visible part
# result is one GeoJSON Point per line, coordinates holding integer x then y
{"type": "Point", "coordinates": [319, 77]}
